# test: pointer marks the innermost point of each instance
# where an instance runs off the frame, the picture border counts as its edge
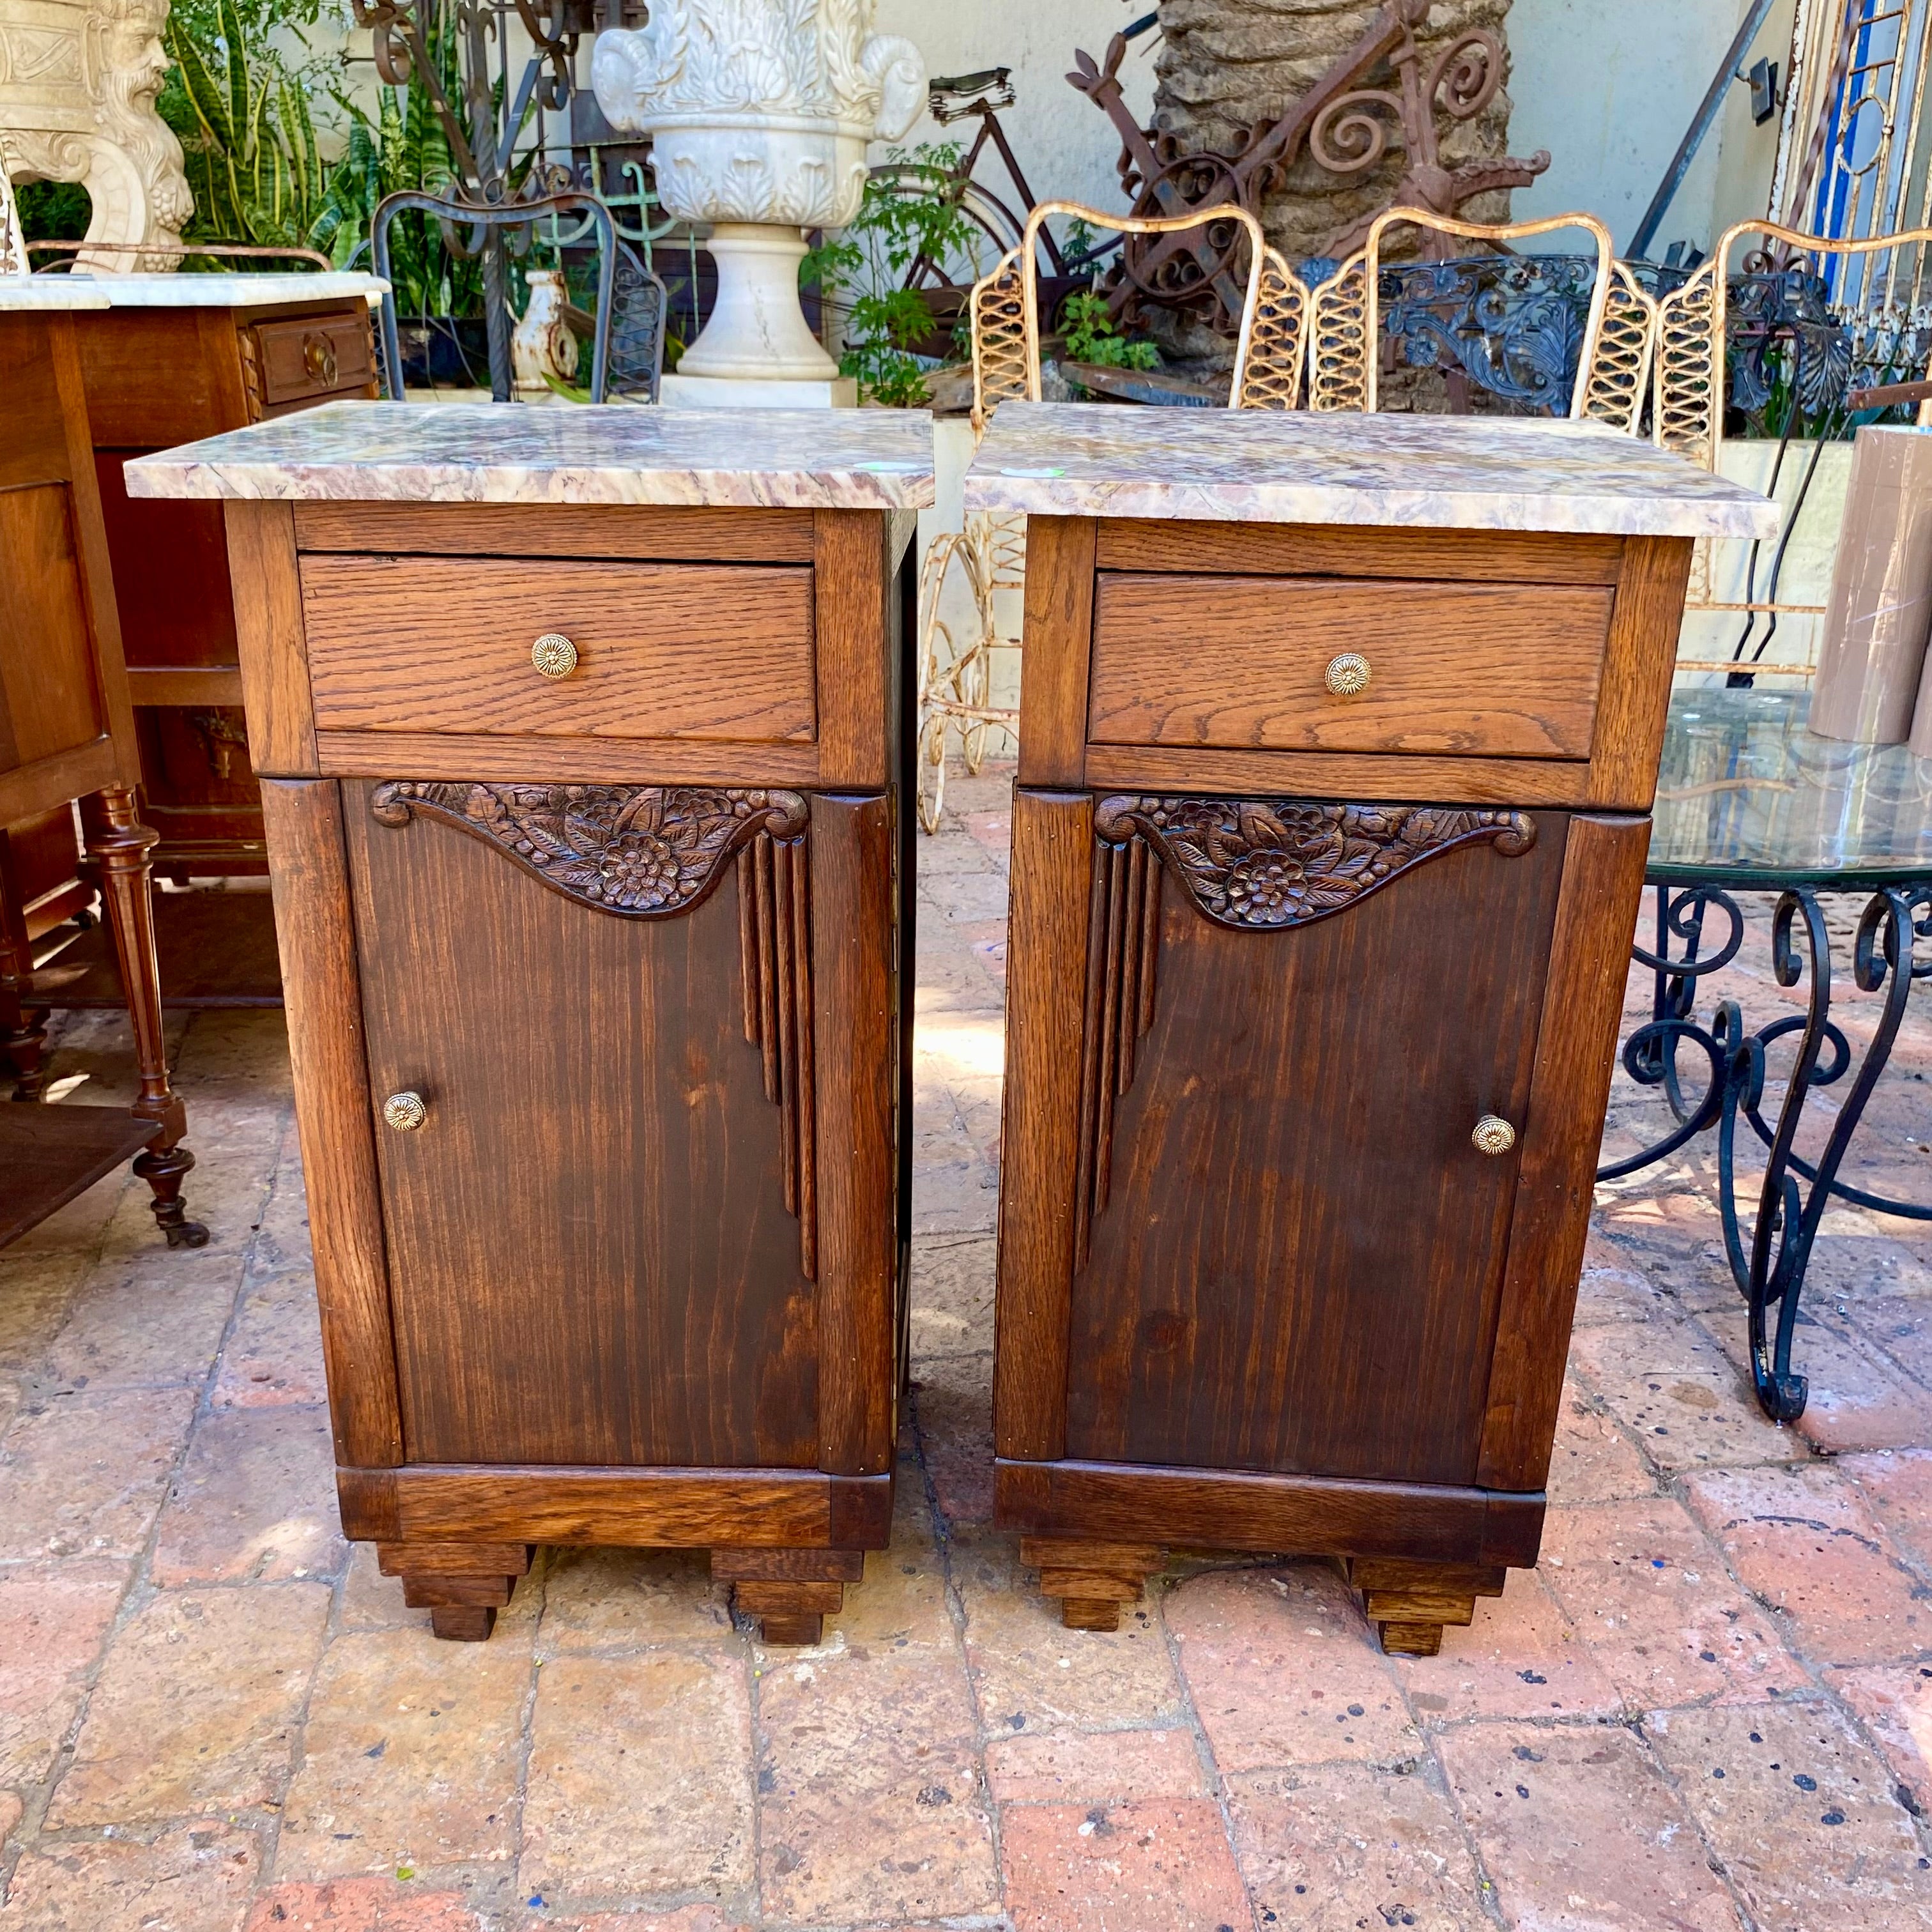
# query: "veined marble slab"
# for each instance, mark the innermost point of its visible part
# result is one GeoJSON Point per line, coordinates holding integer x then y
{"type": "Point", "coordinates": [491, 453]}
{"type": "Point", "coordinates": [1272, 467]}
{"type": "Point", "coordinates": [43, 292]}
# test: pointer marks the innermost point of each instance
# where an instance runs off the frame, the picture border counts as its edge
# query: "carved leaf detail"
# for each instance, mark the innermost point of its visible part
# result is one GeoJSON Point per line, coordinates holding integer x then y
{"type": "Point", "coordinates": [640, 851]}
{"type": "Point", "coordinates": [1259, 865]}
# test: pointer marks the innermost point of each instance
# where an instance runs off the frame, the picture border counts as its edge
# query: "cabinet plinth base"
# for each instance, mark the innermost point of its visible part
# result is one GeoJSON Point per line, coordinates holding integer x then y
{"type": "Point", "coordinates": [791, 1592]}
{"type": "Point", "coordinates": [462, 1586]}
{"type": "Point", "coordinates": [1409, 1604]}
{"type": "Point", "coordinates": [1091, 1580]}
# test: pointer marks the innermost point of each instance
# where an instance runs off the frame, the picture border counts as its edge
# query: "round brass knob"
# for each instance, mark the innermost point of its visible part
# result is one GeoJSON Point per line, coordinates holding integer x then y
{"type": "Point", "coordinates": [405, 1111]}
{"type": "Point", "coordinates": [318, 359]}
{"type": "Point", "coordinates": [554, 655]}
{"type": "Point", "coordinates": [1493, 1135]}
{"type": "Point", "coordinates": [1347, 674]}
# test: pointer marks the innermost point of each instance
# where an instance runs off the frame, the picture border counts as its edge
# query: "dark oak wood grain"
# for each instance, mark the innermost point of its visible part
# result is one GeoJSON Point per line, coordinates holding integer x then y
{"type": "Point", "coordinates": [715, 651]}
{"type": "Point", "coordinates": [1575, 1052]}
{"type": "Point", "coordinates": [1059, 634]}
{"type": "Point", "coordinates": [1326, 550]}
{"type": "Point", "coordinates": [1517, 782]}
{"type": "Point", "coordinates": [658, 531]}
{"type": "Point", "coordinates": [1320, 1301]}
{"type": "Point", "coordinates": [314, 924]}
{"type": "Point", "coordinates": [269, 632]}
{"type": "Point", "coordinates": [1219, 1509]}
{"type": "Point", "coordinates": [459, 755]}
{"type": "Point", "coordinates": [856, 1049]}
{"type": "Point", "coordinates": [1637, 667]}
{"type": "Point", "coordinates": [1046, 979]}
{"type": "Point", "coordinates": [1466, 669]}
{"type": "Point", "coordinates": [592, 1256]}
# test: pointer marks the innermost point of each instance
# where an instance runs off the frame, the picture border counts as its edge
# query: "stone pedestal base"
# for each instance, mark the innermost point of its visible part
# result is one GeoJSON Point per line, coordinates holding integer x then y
{"type": "Point", "coordinates": [728, 392]}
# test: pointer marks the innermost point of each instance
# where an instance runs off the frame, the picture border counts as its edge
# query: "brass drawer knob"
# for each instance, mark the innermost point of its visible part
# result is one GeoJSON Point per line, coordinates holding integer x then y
{"type": "Point", "coordinates": [405, 1111]}
{"type": "Point", "coordinates": [1493, 1135]}
{"type": "Point", "coordinates": [554, 655]}
{"type": "Point", "coordinates": [318, 359]}
{"type": "Point", "coordinates": [1347, 674]}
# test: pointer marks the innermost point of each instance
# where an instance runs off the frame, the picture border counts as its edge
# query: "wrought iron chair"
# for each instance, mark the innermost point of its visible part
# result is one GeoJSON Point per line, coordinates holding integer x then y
{"type": "Point", "coordinates": [1613, 360]}
{"type": "Point", "coordinates": [457, 215]}
{"type": "Point", "coordinates": [955, 679]}
{"type": "Point", "coordinates": [1787, 332]}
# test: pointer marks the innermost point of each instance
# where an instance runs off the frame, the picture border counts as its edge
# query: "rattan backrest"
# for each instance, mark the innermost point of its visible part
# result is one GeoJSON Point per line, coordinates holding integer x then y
{"type": "Point", "coordinates": [1689, 417]}
{"type": "Point", "coordinates": [1270, 347]}
{"type": "Point", "coordinates": [1612, 371]}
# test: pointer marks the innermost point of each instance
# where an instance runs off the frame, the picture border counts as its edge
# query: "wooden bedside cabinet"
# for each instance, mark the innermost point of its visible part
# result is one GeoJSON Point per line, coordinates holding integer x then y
{"type": "Point", "coordinates": [583, 737]}
{"type": "Point", "coordinates": [1338, 740]}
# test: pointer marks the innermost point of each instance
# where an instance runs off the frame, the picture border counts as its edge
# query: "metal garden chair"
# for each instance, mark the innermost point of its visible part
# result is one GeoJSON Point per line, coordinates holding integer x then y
{"type": "Point", "coordinates": [989, 553]}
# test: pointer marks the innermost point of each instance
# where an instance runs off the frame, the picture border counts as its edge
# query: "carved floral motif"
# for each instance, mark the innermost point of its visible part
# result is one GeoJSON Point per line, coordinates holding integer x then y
{"type": "Point", "coordinates": [1258, 865]}
{"type": "Point", "coordinates": [642, 851]}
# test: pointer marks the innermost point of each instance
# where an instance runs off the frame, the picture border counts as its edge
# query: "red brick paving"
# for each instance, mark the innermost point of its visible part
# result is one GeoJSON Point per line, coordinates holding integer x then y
{"type": "Point", "coordinates": [214, 1717]}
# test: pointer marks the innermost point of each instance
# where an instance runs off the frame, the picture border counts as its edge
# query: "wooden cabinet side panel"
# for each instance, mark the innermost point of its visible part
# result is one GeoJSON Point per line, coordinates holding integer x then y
{"type": "Point", "coordinates": [1575, 1050]}
{"type": "Point", "coordinates": [857, 1072]}
{"type": "Point", "coordinates": [267, 590]}
{"type": "Point", "coordinates": [1046, 984]}
{"type": "Point", "coordinates": [1628, 741]}
{"type": "Point", "coordinates": [314, 925]}
{"type": "Point", "coordinates": [1058, 647]}
{"type": "Point", "coordinates": [857, 704]}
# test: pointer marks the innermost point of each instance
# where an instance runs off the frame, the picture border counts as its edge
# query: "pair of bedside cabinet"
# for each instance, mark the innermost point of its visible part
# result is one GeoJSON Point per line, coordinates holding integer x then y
{"type": "Point", "coordinates": [584, 740]}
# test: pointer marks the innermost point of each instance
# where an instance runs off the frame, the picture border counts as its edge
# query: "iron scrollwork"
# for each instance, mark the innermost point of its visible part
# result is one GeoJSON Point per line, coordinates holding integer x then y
{"type": "Point", "coordinates": [1769, 1270]}
{"type": "Point", "coordinates": [1260, 865]}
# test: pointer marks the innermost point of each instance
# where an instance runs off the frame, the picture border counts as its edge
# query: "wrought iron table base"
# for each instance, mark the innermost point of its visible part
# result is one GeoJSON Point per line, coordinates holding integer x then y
{"type": "Point", "coordinates": [1772, 1276]}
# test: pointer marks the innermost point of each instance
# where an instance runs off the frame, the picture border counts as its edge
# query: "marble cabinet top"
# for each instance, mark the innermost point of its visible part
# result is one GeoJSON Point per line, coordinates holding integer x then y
{"type": "Point", "coordinates": [1271, 466]}
{"type": "Point", "coordinates": [503, 453]}
{"type": "Point", "coordinates": [182, 291]}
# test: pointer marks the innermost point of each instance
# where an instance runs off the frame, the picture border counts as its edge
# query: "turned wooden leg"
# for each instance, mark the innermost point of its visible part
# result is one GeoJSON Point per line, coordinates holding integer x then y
{"type": "Point", "coordinates": [462, 1586]}
{"type": "Point", "coordinates": [118, 843]}
{"type": "Point", "coordinates": [23, 1037]}
{"type": "Point", "coordinates": [1409, 1603]}
{"type": "Point", "coordinates": [789, 1592]}
{"type": "Point", "coordinates": [1092, 1580]}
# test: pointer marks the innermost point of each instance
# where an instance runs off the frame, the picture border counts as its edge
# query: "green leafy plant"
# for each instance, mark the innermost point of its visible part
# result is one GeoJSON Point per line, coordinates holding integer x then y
{"type": "Point", "coordinates": [243, 115]}
{"type": "Point", "coordinates": [910, 210]}
{"type": "Point", "coordinates": [1091, 336]}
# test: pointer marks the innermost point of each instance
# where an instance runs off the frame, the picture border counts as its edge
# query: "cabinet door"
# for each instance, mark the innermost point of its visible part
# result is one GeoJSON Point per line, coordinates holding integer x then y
{"type": "Point", "coordinates": [595, 1253]}
{"type": "Point", "coordinates": [1289, 1251]}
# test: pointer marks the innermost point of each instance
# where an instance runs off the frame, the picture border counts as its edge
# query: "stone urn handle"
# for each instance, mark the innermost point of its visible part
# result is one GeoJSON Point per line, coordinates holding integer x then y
{"type": "Point", "coordinates": [897, 69]}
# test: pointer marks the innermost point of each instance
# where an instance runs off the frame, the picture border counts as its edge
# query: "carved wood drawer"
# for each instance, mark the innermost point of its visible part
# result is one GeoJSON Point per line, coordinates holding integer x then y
{"type": "Point", "coordinates": [443, 644]}
{"type": "Point", "coordinates": [1501, 669]}
{"type": "Point", "coordinates": [300, 358]}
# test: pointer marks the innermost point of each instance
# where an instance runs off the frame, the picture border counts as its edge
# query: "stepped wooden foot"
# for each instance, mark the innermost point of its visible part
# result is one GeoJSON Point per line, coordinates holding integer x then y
{"type": "Point", "coordinates": [1410, 1603]}
{"type": "Point", "coordinates": [791, 1592]}
{"type": "Point", "coordinates": [1092, 1580]}
{"type": "Point", "coordinates": [462, 1586]}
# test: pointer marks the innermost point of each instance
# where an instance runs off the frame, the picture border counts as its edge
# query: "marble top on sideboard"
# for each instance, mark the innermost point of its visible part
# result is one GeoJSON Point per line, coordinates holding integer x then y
{"type": "Point", "coordinates": [1295, 467]}
{"type": "Point", "coordinates": [503, 453]}
{"type": "Point", "coordinates": [78, 292]}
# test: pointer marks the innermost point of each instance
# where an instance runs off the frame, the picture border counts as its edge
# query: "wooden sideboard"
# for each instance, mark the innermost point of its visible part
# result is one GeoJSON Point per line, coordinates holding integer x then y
{"type": "Point", "coordinates": [165, 359]}
{"type": "Point", "coordinates": [592, 882]}
{"type": "Point", "coordinates": [67, 733]}
{"type": "Point", "coordinates": [1335, 772]}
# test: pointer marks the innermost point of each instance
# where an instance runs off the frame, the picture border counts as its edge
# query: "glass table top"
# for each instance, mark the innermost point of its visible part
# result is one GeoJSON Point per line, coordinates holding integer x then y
{"type": "Point", "coordinates": [1748, 795]}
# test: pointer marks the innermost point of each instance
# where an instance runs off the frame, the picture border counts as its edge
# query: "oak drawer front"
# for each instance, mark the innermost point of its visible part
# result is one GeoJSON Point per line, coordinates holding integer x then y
{"type": "Point", "coordinates": [1470, 669]}
{"type": "Point", "coordinates": [307, 356]}
{"type": "Point", "coordinates": [436, 644]}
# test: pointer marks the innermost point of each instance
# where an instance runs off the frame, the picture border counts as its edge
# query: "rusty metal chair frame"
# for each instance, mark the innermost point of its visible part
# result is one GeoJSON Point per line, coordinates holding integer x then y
{"type": "Point", "coordinates": [1613, 370]}
{"type": "Point", "coordinates": [1688, 409]}
{"type": "Point", "coordinates": [955, 678]}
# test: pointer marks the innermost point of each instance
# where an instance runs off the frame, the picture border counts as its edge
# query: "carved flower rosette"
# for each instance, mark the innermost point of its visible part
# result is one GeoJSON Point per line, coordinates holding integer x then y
{"type": "Point", "coordinates": [1256, 865]}
{"type": "Point", "coordinates": [643, 851]}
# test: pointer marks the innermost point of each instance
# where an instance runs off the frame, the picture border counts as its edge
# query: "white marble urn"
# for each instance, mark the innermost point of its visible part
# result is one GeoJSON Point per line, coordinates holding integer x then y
{"type": "Point", "coordinates": [759, 113]}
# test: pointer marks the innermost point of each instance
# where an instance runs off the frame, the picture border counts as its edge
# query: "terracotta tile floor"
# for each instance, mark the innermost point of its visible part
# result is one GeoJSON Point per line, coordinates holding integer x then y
{"type": "Point", "coordinates": [1711, 1708]}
